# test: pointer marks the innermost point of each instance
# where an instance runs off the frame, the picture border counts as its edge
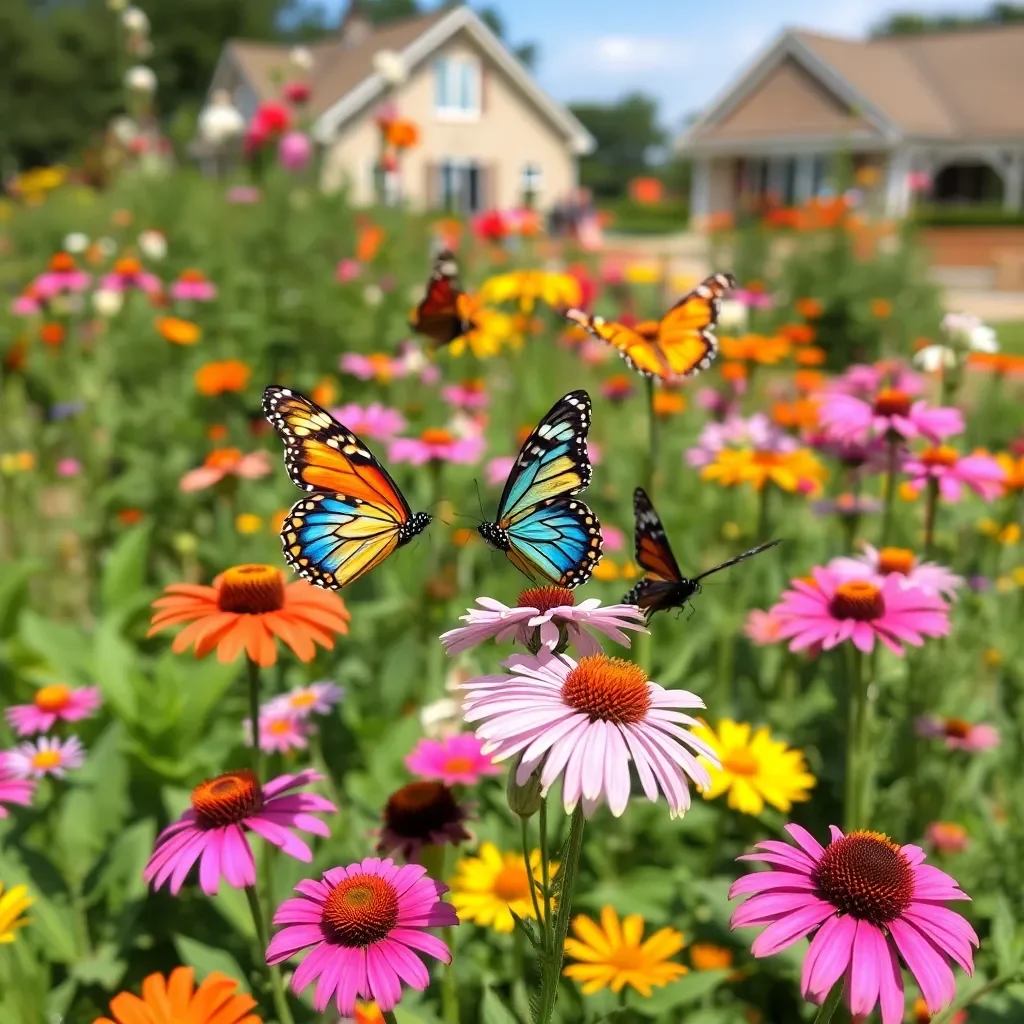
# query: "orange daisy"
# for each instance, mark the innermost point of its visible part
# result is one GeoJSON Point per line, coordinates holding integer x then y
{"type": "Point", "coordinates": [809, 309]}
{"type": "Point", "coordinates": [811, 356]}
{"type": "Point", "coordinates": [798, 334]}
{"type": "Point", "coordinates": [178, 331]}
{"type": "Point", "coordinates": [218, 378]}
{"type": "Point", "coordinates": [245, 609]}
{"type": "Point", "coordinates": [167, 1001]}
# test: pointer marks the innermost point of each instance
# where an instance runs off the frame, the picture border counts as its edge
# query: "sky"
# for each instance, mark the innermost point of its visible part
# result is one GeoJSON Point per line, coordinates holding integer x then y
{"type": "Point", "coordinates": [681, 51]}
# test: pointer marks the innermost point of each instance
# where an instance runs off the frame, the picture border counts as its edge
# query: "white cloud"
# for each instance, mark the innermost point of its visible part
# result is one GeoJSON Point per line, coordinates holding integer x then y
{"type": "Point", "coordinates": [628, 54]}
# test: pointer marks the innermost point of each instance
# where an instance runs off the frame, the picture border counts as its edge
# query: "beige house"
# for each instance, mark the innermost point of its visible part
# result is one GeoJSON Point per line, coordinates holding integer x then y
{"type": "Point", "coordinates": [939, 115]}
{"type": "Point", "coordinates": [489, 135]}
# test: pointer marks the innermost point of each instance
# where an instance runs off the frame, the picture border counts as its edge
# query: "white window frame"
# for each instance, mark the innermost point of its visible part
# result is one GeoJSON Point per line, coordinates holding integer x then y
{"type": "Point", "coordinates": [531, 178]}
{"type": "Point", "coordinates": [454, 69]}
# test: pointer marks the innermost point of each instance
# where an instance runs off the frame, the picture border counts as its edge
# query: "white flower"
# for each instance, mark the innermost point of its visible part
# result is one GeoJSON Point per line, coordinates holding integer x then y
{"type": "Point", "coordinates": [935, 357]}
{"type": "Point", "coordinates": [140, 79]}
{"type": "Point", "coordinates": [77, 241]}
{"type": "Point", "coordinates": [441, 718]}
{"type": "Point", "coordinates": [733, 315]}
{"type": "Point", "coordinates": [135, 21]}
{"type": "Point", "coordinates": [153, 245]}
{"type": "Point", "coordinates": [124, 129]}
{"type": "Point", "coordinates": [373, 295]}
{"type": "Point", "coordinates": [390, 66]}
{"type": "Point", "coordinates": [107, 302]}
{"type": "Point", "coordinates": [219, 120]}
{"type": "Point", "coordinates": [967, 329]}
{"type": "Point", "coordinates": [301, 57]}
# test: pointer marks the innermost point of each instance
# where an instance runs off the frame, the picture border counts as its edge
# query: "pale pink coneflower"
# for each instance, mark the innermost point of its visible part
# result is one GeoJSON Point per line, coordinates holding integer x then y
{"type": "Point", "coordinates": [980, 472]}
{"type": "Point", "coordinates": [223, 463]}
{"type": "Point", "coordinates": [46, 756]}
{"type": "Point", "coordinates": [497, 470]}
{"type": "Point", "coordinates": [876, 564]}
{"type": "Point", "coordinates": [542, 617]}
{"type": "Point", "coordinates": [68, 467]}
{"type": "Point", "coordinates": [869, 904]}
{"type": "Point", "coordinates": [958, 733]}
{"type": "Point", "coordinates": [755, 431]}
{"type": "Point", "coordinates": [376, 366]}
{"type": "Point", "coordinates": [375, 421]}
{"type": "Point", "coordinates": [454, 760]}
{"type": "Point", "coordinates": [829, 610]}
{"type": "Point", "coordinates": [281, 730]}
{"type": "Point", "coordinates": [612, 538]}
{"type": "Point", "coordinates": [763, 627]}
{"type": "Point", "coordinates": [866, 380]}
{"type": "Point", "coordinates": [890, 413]}
{"type": "Point", "coordinates": [57, 702]}
{"type": "Point", "coordinates": [467, 394]}
{"type": "Point", "coordinates": [14, 789]}
{"type": "Point", "coordinates": [215, 828]}
{"type": "Point", "coordinates": [27, 303]}
{"type": "Point", "coordinates": [947, 837]}
{"type": "Point", "coordinates": [193, 286]}
{"type": "Point", "coordinates": [63, 277]}
{"type": "Point", "coordinates": [303, 701]}
{"type": "Point", "coordinates": [347, 270]}
{"type": "Point", "coordinates": [365, 926]}
{"type": "Point", "coordinates": [584, 722]}
{"type": "Point", "coordinates": [437, 445]}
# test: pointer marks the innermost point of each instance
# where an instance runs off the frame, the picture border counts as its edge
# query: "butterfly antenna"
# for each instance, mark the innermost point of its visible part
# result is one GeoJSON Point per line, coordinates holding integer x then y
{"type": "Point", "coordinates": [738, 558]}
{"type": "Point", "coordinates": [479, 498]}
{"type": "Point", "coordinates": [434, 504]}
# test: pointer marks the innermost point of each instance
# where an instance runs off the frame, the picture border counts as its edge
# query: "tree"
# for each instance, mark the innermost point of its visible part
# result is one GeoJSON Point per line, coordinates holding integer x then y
{"type": "Point", "coordinates": [626, 133]}
{"type": "Point", "coordinates": [906, 23]}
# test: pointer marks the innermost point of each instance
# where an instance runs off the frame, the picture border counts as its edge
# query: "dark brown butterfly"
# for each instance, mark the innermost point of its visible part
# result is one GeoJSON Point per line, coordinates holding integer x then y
{"type": "Point", "coordinates": [445, 311]}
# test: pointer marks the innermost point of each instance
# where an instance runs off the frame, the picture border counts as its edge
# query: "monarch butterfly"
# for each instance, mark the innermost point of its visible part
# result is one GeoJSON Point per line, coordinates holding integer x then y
{"type": "Point", "coordinates": [354, 515]}
{"type": "Point", "coordinates": [681, 343]}
{"type": "Point", "coordinates": [665, 586]}
{"type": "Point", "coordinates": [445, 311]}
{"type": "Point", "coordinates": [541, 528]}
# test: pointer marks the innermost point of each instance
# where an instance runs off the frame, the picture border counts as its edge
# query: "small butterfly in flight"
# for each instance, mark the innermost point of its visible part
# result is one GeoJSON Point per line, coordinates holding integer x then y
{"type": "Point", "coordinates": [445, 312]}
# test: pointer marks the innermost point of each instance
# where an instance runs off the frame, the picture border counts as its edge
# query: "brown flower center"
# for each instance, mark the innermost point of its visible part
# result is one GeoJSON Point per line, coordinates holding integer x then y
{"type": "Point", "coordinates": [866, 876]}
{"type": "Point", "coordinates": [957, 728]}
{"type": "Point", "coordinates": [890, 402]}
{"type": "Point", "coordinates": [53, 698]}
{"type": "Point", "coordinates": [898, 560]}
{"type": "Point", "coordinates": [420, 810]}
{"type": "Point", "coordinates": [944, 455]}
{"type": "Point", "coordinates": [251, 589]}
{"type": "Point", "coordinates": [608, 689]}
{"type": "Point", "coordinates": [228, 799]}
{"type": "Point", "coordinates": [545, 598]}
{"type": "Point", "coordinates": [62, 263]}
{"type": "Point", "coordinates": [512, 883]}
{"type": "Point", "coordinates": [740, 761]}
{"type": "Point", "coordinates": [436, 435]}
{"type": "Point", "coordinates": [360, 911]}
{"type": "Point", "coordinates": [857, 599]}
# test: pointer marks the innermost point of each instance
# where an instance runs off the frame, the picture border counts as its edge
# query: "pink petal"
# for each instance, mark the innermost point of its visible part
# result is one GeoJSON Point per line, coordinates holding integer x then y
{"type": "Point", "coordinates": [866, 964]}
{"type": "Point", "coordinates": [289, 941]}
{"type": "Point", "coordinates": [828, 956]}
{"type": "Point", "coordinates": [424, 942]}
{"type": "Point", "coordinates": [381, 978]}
{"type": "Point", "coordinates": [795, 926]}
{"type": "Point", "coordinates": [926, 963]}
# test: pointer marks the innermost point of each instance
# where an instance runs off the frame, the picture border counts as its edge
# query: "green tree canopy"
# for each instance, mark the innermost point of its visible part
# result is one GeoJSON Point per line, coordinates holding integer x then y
{"type": "Point", "coordinates": [905, 23]}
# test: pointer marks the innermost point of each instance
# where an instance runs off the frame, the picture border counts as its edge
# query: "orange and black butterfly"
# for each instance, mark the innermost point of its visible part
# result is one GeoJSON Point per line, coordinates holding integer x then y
{"type": "Point", "coordinates": [354, 515]}
{"type": "Point", "coordinates": [681, 343]}
{"type": "Point", "coordinates": [445, 312]}
{"type": "Point", "coordinates": [665, 586]}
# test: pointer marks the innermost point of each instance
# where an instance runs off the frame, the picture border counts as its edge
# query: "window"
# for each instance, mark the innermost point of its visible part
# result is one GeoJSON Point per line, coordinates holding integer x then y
{"type": "Point", "coordinates": [461, 186]}
{"type": "Point", "coordinates": [457, 87]}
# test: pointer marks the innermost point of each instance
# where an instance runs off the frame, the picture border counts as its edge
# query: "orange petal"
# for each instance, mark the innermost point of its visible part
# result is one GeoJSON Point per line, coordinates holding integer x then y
{"type": "Point", "coordinates": [179, 991]}
{"type": "Point", "coordinates": [196, 632]}
{"type": "Point", "coordinates": [294, 635]}
{"type": "Point", "coordinates": [193, 590]}
{"type": "Point", "coordinates": [327, 618]}
{"type": "Point", "coordinates": [231, 642]}
{"type": "Point", "coordinates": [130, 1009]}
{"type": "Point", "coordinates": [154, 992]}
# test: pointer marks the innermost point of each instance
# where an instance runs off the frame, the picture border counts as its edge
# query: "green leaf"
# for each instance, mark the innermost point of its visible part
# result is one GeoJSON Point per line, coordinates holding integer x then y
{"type": "Point", "coordinates": [113, 658]}
{"type": "Point", "coordinates": [206, 959]}
{"type": "Point", "coordinates": [494, 1011]}
{"type": "Point", "coordinates": [124, 570]}
{"type": "Point", "coordinates": [1004, 935]}
{"type": "Point", "coordinates": [121, 880]}
{"type": "Point", "coordinates": [233, 906]}
{"type": "Point", "coordinates": [688, 989]}
{"type": "Point", "coordinates": [64, 648]}
{"type": "Point", "coordinates": [102, 968]}
{"type": "Point", "coordinates": [12, 591]}
{"type": "Point", "coordinates": [54, 929]}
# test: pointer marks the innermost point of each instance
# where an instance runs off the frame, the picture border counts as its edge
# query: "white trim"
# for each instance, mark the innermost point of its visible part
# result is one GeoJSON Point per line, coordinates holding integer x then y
{"type": "Point", "coordinates": [421, 48]}
{"type": "Point", "coordinates": [792, 145]}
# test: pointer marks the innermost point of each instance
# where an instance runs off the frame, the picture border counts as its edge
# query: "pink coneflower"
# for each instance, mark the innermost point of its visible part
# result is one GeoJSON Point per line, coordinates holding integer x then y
{"type": "Point", "coordinates": [377, 366]}
{"type": "Point", "coordinates": [193, 286]}
{"type": "Point", "coordinates": [874, 565]}
{"type": "Point", "coordinates": [224, 810]}
{"type": "Point", "coordinates": [375, 422]}
{"type": "Point", "coordinates": [303, 701]}
{"type": "Point", "coordinates": [870, 456]}
{"type": "Point", "coordinates": [27, 303]}
{"type": "Point", "coordinates": [46, 756]}
{"type": "Point", "coordinates": [756, 432]}
{"type": "Point", "coordinates": [437, 445]}
{"type": "Point", "coordinates": [947, 836]}
{"type": "Point", "coordinates": [243, 195]}
{"type": "Point", "coordinates": [498, 469]}
{"type": "Point", "coordinates": [585, 721]}
{"type": "Point", "coordinates": [294, 151]}
{"type": "Point", "coordinates": [225, 462]}
{"type": "Point", "coordinates": [958, 733]}
{"type": "Point", "coordinates": [454, 760]}
{"type": "Point", "coordinates": [366, 924]}
{"type": "Point", "coordinates": [544, 616]}
{"type": "Point", "coordinates": [52, 704]}
{"type": "Point", "coordinates": [13, 788]}
{"type": "Point", "coordinates": [722, 404]}
{"type": "Point", "coordinates": [753, 299]}
{"type": "Point", "coordinates": [129, 275]}
{"type": "Point", "coordinates": [612, 538]}
{"type": "Point", "coordinates": [470, 394]}
{"type": "Point", "coordinates": [618, 388]}
{"type": "Point", "coordinates": [347, 270]}
{"type": "Point", "coordinates": [63, 277]}
{"type": "Point", "coordinates": [763, 627]}
{"type": "Point", "coordinates": [865, 381]}
{"type": "Point", "coordinates": [281, 730]}
{"type": "Point", "coordinates": [68, 467]}
{"type": "Point", "coordinates": [980, 472]}
{"type": "Point", "coordinates": [829, 609]}
{"type": "Point", "coordinates": [891, 413]}
{"type": "Point", "coordinates": [595, 453]}
{"type": "Point", "coordinates": [594, 352]}
{"type": "Point", "coordinates": [870, 904]}
{"type": "Point", "coordinates": [422, 814]}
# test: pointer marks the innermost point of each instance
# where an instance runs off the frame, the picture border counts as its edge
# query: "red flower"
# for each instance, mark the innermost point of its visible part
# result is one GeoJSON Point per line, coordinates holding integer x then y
{"type": "Point", "coordinates": [297, 93]}
{"type": "Point", "coordinates": [490, 226]}
{"type": "Point", "coordinates": [269, 123]}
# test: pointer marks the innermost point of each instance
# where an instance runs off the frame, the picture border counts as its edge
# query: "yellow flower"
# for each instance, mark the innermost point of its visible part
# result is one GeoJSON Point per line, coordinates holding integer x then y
{"type": "Point", "coordinates": [643, 273]}
{"type": "Point", "coordinates": [12, 906]}
{"type": "Point", "coordinates": [612, 954]}
{"type": "Point", "coordinates": [491, 330]}
{"type": "Point", "coordinates": [527, 286]}
{"type": "Point", "coordinates": [682, 283]}
{"type": "Point", "coordinates": [17, 462]}
{"type": "Point", "coordinates": [755, 769]}
{"type": "Point", "coordinates": [790, 471]}
{"type": "Point", "coordinates": [607, 570]}
{"type": "Point", "coordinates": [487, 888]}
{"type": "Point", "coordinates": [248, 522]}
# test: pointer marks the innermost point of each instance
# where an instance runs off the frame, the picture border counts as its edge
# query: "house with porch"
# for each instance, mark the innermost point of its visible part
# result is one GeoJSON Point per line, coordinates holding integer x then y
{"type": "Point", "coordinates": [488, 135]}
{"type": "Point", "coordinates": [937, 117]}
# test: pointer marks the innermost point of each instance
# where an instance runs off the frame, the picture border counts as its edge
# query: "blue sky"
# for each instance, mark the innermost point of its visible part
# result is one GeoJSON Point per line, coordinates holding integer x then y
{"type": "Point", "coordinates": [681, 51]}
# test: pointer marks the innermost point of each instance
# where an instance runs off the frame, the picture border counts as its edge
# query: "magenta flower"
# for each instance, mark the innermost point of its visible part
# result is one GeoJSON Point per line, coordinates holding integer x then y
{"type": "Point", "coordinates": [294, 151]}
{"type": "Point", "coordinates": [722, 404]}
{"type": "Point", "coordinates": [892, 413]}
{"type": "Point", "coordinates": [13, 788]}
{"type": "Point", "coordinates": [763, 627]}
{"type": "Point", "coordinates": [753, 299]}
{"type": "Point", "coordinates": [470, 395]}
{"type": "Point", "coordinates": [756, 432]}
{"type": "Point", "coordinates": [68, 467]}
{"type": "Point", "coordinates": [225, 462]}
{"type": "Point", "coordinates": [129, 275]}
{"type": "Point", "coordinates": [829, 609]}
{"type": "Point", "coordinates": [875, 565]}
{"type": "Point", "coordinates": [347, 270]}
{"type": "Point", "coordinates": [980, 472]}
{"type": "Point", "coordinates": [376, 422]}
{"type": "Point", "coordinates": [868, 903]}
{"type": "Point", "coordinates": [453, 760]}
{"type": "Point", "coordinates": [437, 445]}
{"type": "Point", "coordinates": [27, 303]}
{"type": "Point", "coordinates": [243, 195]}
{"type": "Point", "coordinates": [544, 616]}
{"type": "Point", "coordinates": [373, 367]}
{"type": "Point", "coordinates": [865, 381]}
{"type": "Point", "coordinates": [498, 469]}
{"type": "Point", "coordinates": [63, 277]}
{"type": "Point", "coordinates": [584, 722]}
{"type": "Point", "coordinates": [365, 925]}
{"type": "Point", "coordinates": [958, 733]}
{"type": "Point", "coordinates": [281, 730]}
{"type": "Point", "coordinates": [595, 453]}
{"type": "Point", "coordinates": [303, 701]}
{"type": "Point", "coordinates": [612, 538]}
{"type": "Point", "coordinates": [46, 756]}
{"type": "Point", "coordinates": [52, 704]}
{"type": "Point", "coordinates": [193, 286]}
{"type": "Point", "coordinates": [215, 827]}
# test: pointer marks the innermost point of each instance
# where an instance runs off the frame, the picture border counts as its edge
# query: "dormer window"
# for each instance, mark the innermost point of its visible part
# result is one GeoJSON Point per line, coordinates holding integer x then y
{"type": "Point", "coordinates": [457, 88]}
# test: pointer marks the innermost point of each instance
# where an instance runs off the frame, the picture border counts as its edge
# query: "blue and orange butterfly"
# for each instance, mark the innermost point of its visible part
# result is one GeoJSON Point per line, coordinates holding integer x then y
{"type": "Point", "coordinates": [354, 515]}
{"type": "Point", "coordinates": [543, 531]}
{"type": "Point", "coordinates": [445, 312]}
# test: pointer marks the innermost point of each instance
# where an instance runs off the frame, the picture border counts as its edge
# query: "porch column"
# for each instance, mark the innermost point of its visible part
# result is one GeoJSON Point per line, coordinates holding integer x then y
{"type": "Point", "coordinates": [700, 191]}
{"type": "Point", "coordinates": [804, 177]}
{"type": "Point", "coordinates": [897, 187]}
{"type": "Point", "coordinates": [1013, 182]}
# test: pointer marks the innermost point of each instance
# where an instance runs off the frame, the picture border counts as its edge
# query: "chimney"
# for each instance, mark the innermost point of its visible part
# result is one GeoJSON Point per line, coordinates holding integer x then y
{"type": "Point", "coordinates": [355, 26]}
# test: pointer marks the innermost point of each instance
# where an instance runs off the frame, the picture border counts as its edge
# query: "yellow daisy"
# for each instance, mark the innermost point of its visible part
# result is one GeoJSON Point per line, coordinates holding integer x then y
{"type": "Point", "coordinates": [755, 769]}
{"type": "Point", "coordinates": [791, 471]}
{"type": "Point", "coordinates": [613, 954]}
{"type": "Point", "coordinates": [491, 330]}
{"type": "Point", "coordinates": [12, 906]}
{"type": "Point", "coordinates": [486, 888]}
{"type": "Point", "coordinates": [527, 286]}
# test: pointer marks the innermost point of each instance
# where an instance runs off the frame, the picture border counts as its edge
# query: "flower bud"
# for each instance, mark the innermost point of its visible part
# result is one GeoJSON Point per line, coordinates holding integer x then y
{"type": "Point", "coordinates": [524, 800]}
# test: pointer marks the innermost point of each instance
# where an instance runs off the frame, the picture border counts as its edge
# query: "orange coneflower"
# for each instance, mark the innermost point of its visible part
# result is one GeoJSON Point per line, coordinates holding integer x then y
{"type": "Point", "coordinates": [1001, 363]}
{"type": "Point", "coordinates": [668, 403]}
{"type": "Point", "coordinates": [733, 371]}
{"type": "Point", "coordinates": [800, 414]}
{"type": "Point", "coordinates": [793, 471]}
{"type": "Point", "coordinates": [368, 242]}
{"type": "Point", "coordinates": [218, 378]}
{"type": "Point", "coordinates": [325, 392]}
{"type": "Point", "coordinates": [402, 134]}
{"type": "Point", "coordinates": [52, 334]}
{"type": "Point", "coordinates": [808, 381]}
{"type": "Point", "coordinates": [129, 516]}
{"type": "Point", "coordinates": [245, 609]}
{"type": "Point", "coordinates": [178, 331]}
{"type": "Point", "coordinates": [755, 348]}
{"type": "Point", "coordinates": [175, 998]}
{"type": "Point", "coordinates": [217, 432]}
{"type": "Point", "coordinates": [809, 309]}
{"type": "Point", "coordinates": [881, 308]}
{"type": "Point", "coordinates": [798, 334]}
{"type": "Point", "coordinates": [811, 356]}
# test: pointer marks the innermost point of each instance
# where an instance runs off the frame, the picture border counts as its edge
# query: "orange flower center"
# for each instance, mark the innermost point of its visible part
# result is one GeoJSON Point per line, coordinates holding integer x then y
{"type": "Point", "coordinates": [436, 436]}
{"type": "Point", "coordinates": [958, 728]}
{"type": "Point", "coordinates": [890, 402]}
{"type": "Point", "coordinates": [474, 385]}
{"type": "Point", "coordinates": [898, 560]}
{"type": "Point", "coordinates": [302, 699]}
{"type": "Point", "coordinates": [62, 263]}
{"type": "Point", "coordinates": [768, 460]}
{"type": "Point", "coordinates": [53, 698]}
{"type": "Point", "coordinates": [706, 956]}
{"type": "Point", "coordinates": [46, 759]}
{"type": "Point", "coordinates": [513, 883]}
{"type": "Point", "coordinates": [128, 266]}
{"type": "Point", "coordinates": [223, 458]}
{"type": "Point", "coordinates": [251, 589]}
{"type": "Point", "coordinates": [458, 765]}
{"type": "Point", "coordinates": [192, 274]}
{"type": "Point", "coordinates": [608, 690]}
{"type": "Point", "coordinates": [948, 832]}
{"type": "Point", "coordinates": [866, 876]}
{"type": "Point", "coordinates": [280, 727]}
{"type": "Point", "coordinates": [420, 809]}
{"type": "Point", "coordinates": [360, 911]}
{"type": "Point", "coordinates": [944, 455]}
{"type": "Point", "coordinates": [857, 599]}
{"type": "Point", "coordinates": [545, 598]}
{"type": "Point", "coordinates": [740, 761]}
{"type": "Point", "coordinates": [381, 363]}
{"type": "Point", "coordinates": [227, 800]}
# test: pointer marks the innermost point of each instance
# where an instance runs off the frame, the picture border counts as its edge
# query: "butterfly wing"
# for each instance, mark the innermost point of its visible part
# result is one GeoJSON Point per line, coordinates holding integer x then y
{"type": "Point", "coordinates": [686, 338]}
{"type": "Point", "coordinates": [663, 583]}
{"type": "Point", "coordinates": [442, 313]}
{"type": "Point", "coordinates": [635, 346]}
{"type": "Point", "coordinates": [558, 540]}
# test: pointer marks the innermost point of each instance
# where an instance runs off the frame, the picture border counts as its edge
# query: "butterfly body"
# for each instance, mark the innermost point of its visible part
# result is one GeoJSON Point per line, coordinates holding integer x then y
{"type": "Point", "coordinates": [444, 313]}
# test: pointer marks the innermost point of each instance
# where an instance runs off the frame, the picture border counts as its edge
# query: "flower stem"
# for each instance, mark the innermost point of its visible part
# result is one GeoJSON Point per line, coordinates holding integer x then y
{"type": "Point", "coordinates": [389, 1017]}
{"type": "Point", "coordinates": [890, 491]}
{"type": "Point", "coordinates": [552, 965]}
{"type": "Point", "coordinates": [541, 922]}
{"type": "Point", "coordinates": [545, 871]}
{"type": "Point", "coordinates": [856, 733]}
{"type": "Point", "coordinates": [284, 1014]}
{"type": "Point", "coordinates": [652, 439]}
{"type": "Point", "coordinates": [762, 513]}
{"type": "Point", "coordinates": [253, 672]}
{"type": "Point", "coordinates": [824, 1014]}
{"type": "Point", "coordinates": [449, 990]}
{"type": "Point", "coordinates": [931, 505]}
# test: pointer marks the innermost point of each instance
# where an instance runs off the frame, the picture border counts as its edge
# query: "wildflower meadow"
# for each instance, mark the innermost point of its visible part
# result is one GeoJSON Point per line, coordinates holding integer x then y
{"type": "Point", "coordinates": [446, 792]}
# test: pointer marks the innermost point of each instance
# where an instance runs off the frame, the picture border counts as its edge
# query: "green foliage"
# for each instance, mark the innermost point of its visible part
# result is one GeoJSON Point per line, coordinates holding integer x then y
{"type": "Point", "coordinates": [901, 24]}
{"type": "Point", "coordinates": [981, 215]}
{"type": "Point", "coordinates": [630, 218]}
